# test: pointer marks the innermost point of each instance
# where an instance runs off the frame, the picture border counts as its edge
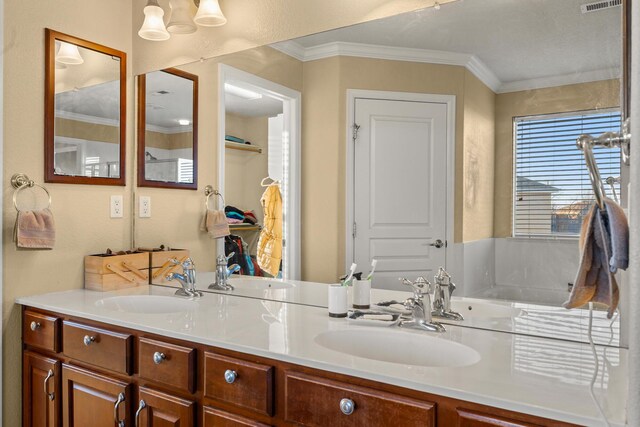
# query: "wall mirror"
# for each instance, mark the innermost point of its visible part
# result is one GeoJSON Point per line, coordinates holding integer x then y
{"type": "Point", "coordinates": [508, 189]}
{"type": "Point", "coordinates": [168, 129]}
{"type": "Point", "coordinates": [85, 112]}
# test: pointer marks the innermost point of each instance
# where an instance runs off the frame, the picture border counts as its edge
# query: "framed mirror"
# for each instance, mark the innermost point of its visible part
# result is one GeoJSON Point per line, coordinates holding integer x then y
{"type": "Point", "coordinates": [85, 111]}
{"type": "Point", "coordinates": [168, 129]}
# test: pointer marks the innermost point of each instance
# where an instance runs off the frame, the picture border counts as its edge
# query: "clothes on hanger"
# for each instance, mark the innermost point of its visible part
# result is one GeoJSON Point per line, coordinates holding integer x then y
{"type": "Point", "coordinates": [270, 242]}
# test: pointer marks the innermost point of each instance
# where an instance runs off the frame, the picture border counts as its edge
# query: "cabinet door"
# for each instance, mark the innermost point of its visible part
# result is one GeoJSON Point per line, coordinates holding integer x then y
{"type": "Point", "coordinates": [90, 399]}
{"type": "Point", "coordinates": [156, 409]}
{"type": "Point", "coordinates": [467, 418]}
{"type": "Point", "coordinates": [40, 391]}
{"type": "Point", "coordinates": [213, 417]}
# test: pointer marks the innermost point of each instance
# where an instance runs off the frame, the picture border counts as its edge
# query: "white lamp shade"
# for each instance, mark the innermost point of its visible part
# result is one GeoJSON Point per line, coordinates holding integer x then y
{"type": "Point", "coordinates": [180, 21]}
{"type": "Point", "coordinates": [209, 14]}
{"type": "Point", "coordinates": [153, 26]}
{"type": "Point", "coordinates": [69, 54]}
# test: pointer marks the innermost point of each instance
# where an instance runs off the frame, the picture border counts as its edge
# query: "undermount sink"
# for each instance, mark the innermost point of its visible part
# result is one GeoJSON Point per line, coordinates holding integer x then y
{"type": "Point", "coordinates": [146, 304]}
{"type": "Point", "coordinates": [259, 284]}
{"type": "Point", "coordinates": [399, 347]}
{"type": "Point", "coordinates": [484, 310]}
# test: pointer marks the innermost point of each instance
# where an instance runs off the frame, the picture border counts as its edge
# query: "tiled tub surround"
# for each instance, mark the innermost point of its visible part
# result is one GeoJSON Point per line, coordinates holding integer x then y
{"type": "Point", "coordinates": [537, 376]}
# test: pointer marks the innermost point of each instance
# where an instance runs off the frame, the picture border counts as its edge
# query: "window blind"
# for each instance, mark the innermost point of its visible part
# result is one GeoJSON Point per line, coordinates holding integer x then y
{"type": "Point", "coordinates": [552, 190]}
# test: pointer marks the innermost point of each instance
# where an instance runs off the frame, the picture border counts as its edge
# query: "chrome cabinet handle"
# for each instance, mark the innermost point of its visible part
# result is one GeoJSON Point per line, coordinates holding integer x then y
{"type": "Point", "coordinates": [143, 405]}
{"type": "Point", "coordinates": [51, 396]}
{"type": "Point", "coordinates": [158, 357]}
{"type": "Point", "coordinates": [230, 376]}
{"type": "Point", "coordinates": [116, 417]}
{"type": "Point", "coordinates": [88, 340]}
{"type": "Point", "coordinates": [34, 325]}
{"type": "Point", "coordinates": [347, 406]}
{"type": "Point", "coordinates": [438, 243]}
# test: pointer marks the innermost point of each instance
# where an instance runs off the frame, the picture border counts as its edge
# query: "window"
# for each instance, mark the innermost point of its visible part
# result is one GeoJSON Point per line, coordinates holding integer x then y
{"type": "Point", "coordinates": [552, 190]}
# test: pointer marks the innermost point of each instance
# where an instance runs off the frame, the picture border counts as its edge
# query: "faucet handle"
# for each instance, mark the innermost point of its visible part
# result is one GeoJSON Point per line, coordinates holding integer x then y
{"type": "Point", "coordinates": [417, 286]}
{"type": "Point", "coordinates": [442, 278]}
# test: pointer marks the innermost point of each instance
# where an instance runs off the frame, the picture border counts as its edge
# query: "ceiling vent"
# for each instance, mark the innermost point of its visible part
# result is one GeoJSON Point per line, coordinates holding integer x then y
{"type": "Point", "coordinates": [600, 5]}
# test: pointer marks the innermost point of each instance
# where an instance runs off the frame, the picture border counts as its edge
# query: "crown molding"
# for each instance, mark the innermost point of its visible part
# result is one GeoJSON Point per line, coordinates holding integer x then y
{"type": "Point", "coordinates": [563, 80]}
{"type": "Point", "coordinates": [169, 130]}
{"type": "Point", "coordinates": [361, 50]}
{"type": "Point", "coordinates": [61, 114]}
{"type": "Point", "coordinates": [470, 62]}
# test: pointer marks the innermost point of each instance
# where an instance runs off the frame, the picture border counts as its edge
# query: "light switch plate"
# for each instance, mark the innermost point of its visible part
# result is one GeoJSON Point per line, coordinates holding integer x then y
{"type": "Point", "coordinates": [144, 208]}
{"type": "Point", "coordinates": [117, 206]}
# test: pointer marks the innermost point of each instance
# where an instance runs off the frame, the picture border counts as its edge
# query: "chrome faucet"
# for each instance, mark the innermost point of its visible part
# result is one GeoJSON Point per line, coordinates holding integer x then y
{"type": "Point", "coordinates": [420, 312]}
{"type": "Point", "coordinates": [223, 273]}
{"type": "Point", "coordinates": [443, 289]}
{"type": "Point", "coordinates": [187, 279]}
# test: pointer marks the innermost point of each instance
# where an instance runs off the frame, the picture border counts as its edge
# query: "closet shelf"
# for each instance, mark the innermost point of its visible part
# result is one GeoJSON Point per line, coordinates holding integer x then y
{"type": "Point", "coordinates": [242, 147]}
{"type": "Point", "coordinates": [245, 227]}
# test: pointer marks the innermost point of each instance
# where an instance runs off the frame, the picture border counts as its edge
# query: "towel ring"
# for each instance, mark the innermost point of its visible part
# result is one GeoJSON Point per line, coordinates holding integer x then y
{"type": "Point", "coordinates": [21, 181]}
{"type": "Point", "coordinates": [210, 191]}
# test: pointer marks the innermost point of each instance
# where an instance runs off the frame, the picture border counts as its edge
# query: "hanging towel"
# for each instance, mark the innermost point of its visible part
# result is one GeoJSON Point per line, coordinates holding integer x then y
{"type": "Point", "coordinates": [604, 248]}
{"type": "Point", "coordinates": [270, 243]}
{"type": "Point", "coordinates": [215, 224]}
{"type": "Point", "coordinates": [35, 230]}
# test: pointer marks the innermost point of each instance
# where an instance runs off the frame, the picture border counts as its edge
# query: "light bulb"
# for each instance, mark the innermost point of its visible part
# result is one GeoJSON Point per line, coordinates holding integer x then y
{"type": "Point", "coordinates": [180, 21]}
{"type": "Point", "coordinates": [69, 54]}
{"type": "Point", "coordinates": [153, 26]}
{"type": "Point", "coordinates": [209, 14]}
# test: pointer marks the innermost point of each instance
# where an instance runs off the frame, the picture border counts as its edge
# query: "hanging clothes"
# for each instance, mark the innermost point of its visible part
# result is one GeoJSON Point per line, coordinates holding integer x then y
{"type": "Point", "coordinates": [270, 243]}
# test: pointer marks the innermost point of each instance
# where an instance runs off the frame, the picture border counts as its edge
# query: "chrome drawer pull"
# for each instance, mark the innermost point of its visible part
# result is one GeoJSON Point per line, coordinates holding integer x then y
{"type": "Point", "coordinates": [347, 406]}
{"type": "Point", "coordinates": [158, 357]}
{"type": "Point", "coordinates": [35, 325]}
{"type": "Point", "coordinates": [51, 396]}
{"type": "Point", "coordinates": [143, 405]}
{"type": "Point", "coordinates": [230, 376]}
{"type": "Point", "coordinates": [116, 417]}
{"type": "Point", "coordinates": [88, 340]}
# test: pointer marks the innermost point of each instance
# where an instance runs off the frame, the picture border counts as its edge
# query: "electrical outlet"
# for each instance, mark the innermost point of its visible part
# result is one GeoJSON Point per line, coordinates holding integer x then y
{"type": "Point", "coordinates": [144, 208]}
{"type": "Point", "coordinates": [117, 206]}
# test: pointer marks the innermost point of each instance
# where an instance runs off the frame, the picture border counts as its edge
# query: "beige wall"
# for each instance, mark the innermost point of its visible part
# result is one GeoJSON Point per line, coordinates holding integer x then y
{"type": "Point", "coordinates": [585, 96]}
{"type": "Point", "coordinates": [89, 131]}
{"type": "Point", "coordinates": [81, 212]}
{"type": "Point", "coordinates": [245, 169]}
{"type": "Point", "coordinates": [168, 141]}
{"type": "Point", "coordinates": [324, 149]}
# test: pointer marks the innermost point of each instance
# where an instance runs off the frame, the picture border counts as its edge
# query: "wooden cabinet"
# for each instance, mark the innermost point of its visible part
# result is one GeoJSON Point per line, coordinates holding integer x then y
{"type": "Point", "coordinates": [79, 373]}
{"type": "Point", "coordinates": [90, 399]}
{"type": "Point", "coordinates": [239, 382]}
{"type": "Point", "coordinates": [467, 418]}
{"type": "Point", "coordinates": [213, 417]}
{"type": "Point", "coordinates": [40, 391]}
{"type": "Point", "coordinates": [157, 409]}
{"type": "Point", "coordinates": [316, 401]}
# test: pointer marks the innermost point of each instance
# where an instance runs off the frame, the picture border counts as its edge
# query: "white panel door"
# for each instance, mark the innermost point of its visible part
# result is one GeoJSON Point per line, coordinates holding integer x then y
{"type": "Point", "coordinates": [400, 198]}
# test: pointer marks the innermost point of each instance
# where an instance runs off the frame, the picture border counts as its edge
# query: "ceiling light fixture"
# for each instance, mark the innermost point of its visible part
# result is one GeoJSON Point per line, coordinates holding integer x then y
{"type": "Point", "coordinates": [436, 5]}
{"type": "Point", "coordinates": [209, 14]}
{"type": "Point", "coordinates": [180, 21]}
{"type": "Point", "coordinates": [69, 54]}
{"type": "Point", "coordinates": [241, 92]}
{"type": "Point", "coordinates": [184, 122]}
{"type": "Point", "coordinates": [153, 26]}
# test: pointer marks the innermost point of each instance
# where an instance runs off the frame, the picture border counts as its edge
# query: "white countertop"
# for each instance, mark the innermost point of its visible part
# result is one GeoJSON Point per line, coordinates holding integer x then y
{"type": "Point", "coordinates": [538, 376]}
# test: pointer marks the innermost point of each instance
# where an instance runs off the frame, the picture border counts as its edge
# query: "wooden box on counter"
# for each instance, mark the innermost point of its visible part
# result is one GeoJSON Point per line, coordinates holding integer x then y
{"type": "Point", "coordinates": [160, 266]}
{"type": "Point", "coordinates": [110, 272]}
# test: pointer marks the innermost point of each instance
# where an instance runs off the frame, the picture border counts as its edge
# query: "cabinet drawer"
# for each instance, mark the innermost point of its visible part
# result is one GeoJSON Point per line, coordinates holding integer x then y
{"type": "Point", "coordinates": [315, 401]}
{"type": "Point", "coordinates": [166, 363]}
{"type": "Point", "coordinates": [242, 383]}
{"type": "Point", "coordinates": [40, 330]}
{"type": "Point", "coordinates": [96, 346]}
{"type": "Point", "coordinates": [217, 418]}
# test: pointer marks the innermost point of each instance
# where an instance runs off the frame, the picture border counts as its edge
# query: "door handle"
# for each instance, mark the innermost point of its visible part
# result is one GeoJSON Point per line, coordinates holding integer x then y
{"type": "Point", "coordinates": [143, 405]}
{"type": "Point", "coordinates": [116, 416]}
{"type": "Point", "coordinates": [51, 396]}
{"type": "Point", "coordinates": [438, 244]}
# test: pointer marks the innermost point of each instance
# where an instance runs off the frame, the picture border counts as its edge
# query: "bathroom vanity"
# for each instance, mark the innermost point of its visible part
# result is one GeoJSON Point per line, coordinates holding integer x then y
{"type": "Point", "coordinates": [144, 357]}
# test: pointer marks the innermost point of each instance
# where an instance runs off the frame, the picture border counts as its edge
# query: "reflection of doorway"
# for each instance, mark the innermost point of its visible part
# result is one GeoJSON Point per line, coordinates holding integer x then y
{"type": "Point", "coordinates": [400, 183]}
{"type": "Point", "coordinates": [289, 100]}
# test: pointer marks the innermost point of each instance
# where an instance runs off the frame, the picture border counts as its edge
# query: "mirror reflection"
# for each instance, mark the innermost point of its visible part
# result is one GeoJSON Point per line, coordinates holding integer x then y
{"type": "Point", "coordinates": [85, 120]}
{"type": "Point", "coordinates": [167, 144]}
{"type": "Point", "coordinates": [437, 138]}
